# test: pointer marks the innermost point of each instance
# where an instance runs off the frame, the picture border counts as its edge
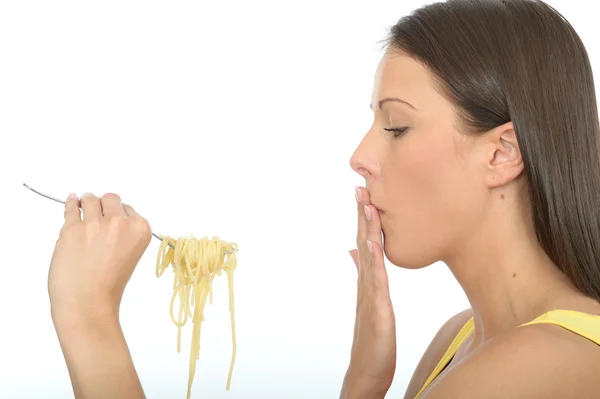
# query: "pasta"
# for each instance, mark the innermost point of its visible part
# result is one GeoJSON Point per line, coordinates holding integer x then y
{"type": "Point", "coordinates": [195, 264]}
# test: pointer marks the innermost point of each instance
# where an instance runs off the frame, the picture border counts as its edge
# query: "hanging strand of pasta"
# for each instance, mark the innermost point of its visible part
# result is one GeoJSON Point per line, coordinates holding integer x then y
{"type": "Point", "coordinates": [195, 263]}
{"type": "Point", "coordinates": [230, 265]}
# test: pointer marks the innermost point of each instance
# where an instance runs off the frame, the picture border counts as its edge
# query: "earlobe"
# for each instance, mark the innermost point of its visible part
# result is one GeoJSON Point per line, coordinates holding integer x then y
{"type": "Point", "coordinates": [506, 163]}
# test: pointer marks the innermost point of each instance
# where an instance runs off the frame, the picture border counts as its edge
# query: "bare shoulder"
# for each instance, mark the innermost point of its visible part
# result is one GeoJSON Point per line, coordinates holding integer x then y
{"type": "Point", "coordinates": [536, 361]}
{"type": "Point", "coordinates": [436, 349]}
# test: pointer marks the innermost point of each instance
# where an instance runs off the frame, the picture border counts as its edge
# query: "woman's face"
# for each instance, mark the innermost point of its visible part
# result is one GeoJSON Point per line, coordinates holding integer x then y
{"type": "Point", "coordinates": [424, 179]}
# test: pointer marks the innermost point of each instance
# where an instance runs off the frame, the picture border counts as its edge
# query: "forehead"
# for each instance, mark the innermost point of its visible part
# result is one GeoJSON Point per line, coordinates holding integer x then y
{"type": "Point", "coordinates": [399, 75]}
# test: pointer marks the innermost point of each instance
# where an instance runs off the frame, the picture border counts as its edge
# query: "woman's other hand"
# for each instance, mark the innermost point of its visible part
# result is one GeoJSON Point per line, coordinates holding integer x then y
{"type": "Point", "coordinates": [373, 357]}
{"type": "Point", "coordinates": [95, 256]}
{"type": "Point", "coordinates": [93, 260]}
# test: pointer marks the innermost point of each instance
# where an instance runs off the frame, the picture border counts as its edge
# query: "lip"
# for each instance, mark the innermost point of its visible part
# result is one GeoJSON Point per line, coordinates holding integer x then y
{"type": "Point", "coordinates": [377, 207]}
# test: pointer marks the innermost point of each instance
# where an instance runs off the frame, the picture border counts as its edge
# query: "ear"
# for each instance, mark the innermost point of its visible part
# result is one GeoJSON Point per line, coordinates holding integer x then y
{"type": "Point", "coordinates": [504, 161]}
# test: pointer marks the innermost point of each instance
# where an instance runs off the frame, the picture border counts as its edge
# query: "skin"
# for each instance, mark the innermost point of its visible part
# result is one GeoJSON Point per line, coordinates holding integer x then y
{"type": "Point", "coordinates": [93, 260]}
{"type": "Point", "coordinates": [438, 194]}
{"type": "Point", "coordinates": [432, 194]}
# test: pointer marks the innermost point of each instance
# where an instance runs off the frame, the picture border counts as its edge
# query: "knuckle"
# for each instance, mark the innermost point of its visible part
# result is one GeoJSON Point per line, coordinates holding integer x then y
{"type": "Point", "coordinates": [92, 225]}
{"type": "Point", "coordinates": [143, 228]}
{"type": "Point", "coordinates": [88, 197]}
{"type": "Point", "coordinates": [70, 207]}
{"type": "Point", "coordinates": [111, 197]}
{"type": "Point", "coordinates": [68, 230]}
{"type": "Point", "coordinates": [360, 245]}
{"type": "Point", "coordinates": [87, 201]}
{"type": "Point", "coordinates": [361, 236]}
{"type": "Point", "coordinates": [117, 221]}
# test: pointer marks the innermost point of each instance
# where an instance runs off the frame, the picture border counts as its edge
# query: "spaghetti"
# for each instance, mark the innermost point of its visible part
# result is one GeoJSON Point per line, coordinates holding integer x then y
{"type": "Point", "coordinates": [195, 264]}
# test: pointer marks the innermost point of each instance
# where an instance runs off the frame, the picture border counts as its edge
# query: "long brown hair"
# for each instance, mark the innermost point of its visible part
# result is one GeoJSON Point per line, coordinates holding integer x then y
{"type": "Point", "coordinates": [521, 61]}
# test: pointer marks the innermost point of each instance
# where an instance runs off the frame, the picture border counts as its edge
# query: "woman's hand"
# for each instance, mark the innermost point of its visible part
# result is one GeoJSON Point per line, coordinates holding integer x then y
{"type": "Point", "coordinates": [373, 356]}
{"type": "Point", "coordinates": [95, 256]}
{"type": "Point", "coordinates": [92, 262]}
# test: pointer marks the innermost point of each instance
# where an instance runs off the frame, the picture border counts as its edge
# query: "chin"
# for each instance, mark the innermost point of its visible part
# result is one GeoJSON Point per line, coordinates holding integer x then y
{"type": "Point", "coordinates": [406, 256]}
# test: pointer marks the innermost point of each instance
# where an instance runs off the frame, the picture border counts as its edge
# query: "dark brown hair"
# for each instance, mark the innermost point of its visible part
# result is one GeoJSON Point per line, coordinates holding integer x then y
{"type": "Point", "coordinates": [519, 60]}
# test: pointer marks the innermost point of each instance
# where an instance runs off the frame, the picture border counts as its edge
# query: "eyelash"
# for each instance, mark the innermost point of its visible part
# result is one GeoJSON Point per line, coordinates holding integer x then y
{"type": "Point", "coordinates": [398, 131]}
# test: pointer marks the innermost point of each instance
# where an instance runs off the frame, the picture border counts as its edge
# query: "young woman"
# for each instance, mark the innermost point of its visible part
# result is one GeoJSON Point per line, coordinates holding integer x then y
{"type": "Point", "coordinates": [483, 154]}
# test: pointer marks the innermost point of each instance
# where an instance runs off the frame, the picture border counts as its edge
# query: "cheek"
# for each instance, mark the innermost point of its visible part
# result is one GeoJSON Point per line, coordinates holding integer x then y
{"type": "Point", "coordinates": [428, 202]}
{"type": "Point", "coordinates": [425, 180]}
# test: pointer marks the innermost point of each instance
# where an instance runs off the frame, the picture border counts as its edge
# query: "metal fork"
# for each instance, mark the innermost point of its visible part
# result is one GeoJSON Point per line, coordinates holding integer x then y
{"type": "Point", "coordinates": [62, 202]}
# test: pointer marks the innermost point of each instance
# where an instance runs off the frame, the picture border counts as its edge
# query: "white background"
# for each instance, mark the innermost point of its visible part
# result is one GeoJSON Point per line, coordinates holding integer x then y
{"type": "Point", "coordinates": [232, 119]}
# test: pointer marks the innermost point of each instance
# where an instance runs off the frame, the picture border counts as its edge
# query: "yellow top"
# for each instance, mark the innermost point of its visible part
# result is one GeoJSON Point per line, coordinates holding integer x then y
{"type": "Point", "coordinates": [585, 324]}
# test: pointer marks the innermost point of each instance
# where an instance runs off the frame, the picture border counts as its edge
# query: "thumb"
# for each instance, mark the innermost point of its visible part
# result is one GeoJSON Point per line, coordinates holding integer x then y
{"type": "Point", "coordinates": [354, 255]}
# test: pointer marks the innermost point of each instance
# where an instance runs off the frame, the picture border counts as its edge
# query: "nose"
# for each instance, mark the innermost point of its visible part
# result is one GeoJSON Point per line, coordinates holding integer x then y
{"type": "Point", "coordinates": [364, 160]}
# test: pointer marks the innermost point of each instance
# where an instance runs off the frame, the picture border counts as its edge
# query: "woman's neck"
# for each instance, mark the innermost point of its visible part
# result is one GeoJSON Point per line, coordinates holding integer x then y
{"type": "Point", "coordinates": [507, 277]}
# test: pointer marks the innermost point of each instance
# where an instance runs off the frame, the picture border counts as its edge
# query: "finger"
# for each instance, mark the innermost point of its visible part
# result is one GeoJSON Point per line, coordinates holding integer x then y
{"type": "Point", "coordinates": [354, 255]}
{"type": "Point", "coordinates": [72, 211]}
{"type": "Point", "coordinates": [112, 205]}
{"type": "Point", "coordinates": [373, 239]}
{"type": "Point", "coordinates": [373, 225]}
{"type": "Point", "coordinates": [380, 278]}
{"type": "Point", "coordinates": [91, 207]}
{"type": "Point", "coordinates": [129, 211]}
{"type": "Point", "coordinates": [136, 217]}
{"type": "Point", "coordinates": [362, 199]}
{"type": "Point", "coordinates": [363, 202]}
{"type": "Point", "coordinates": [138, 220]}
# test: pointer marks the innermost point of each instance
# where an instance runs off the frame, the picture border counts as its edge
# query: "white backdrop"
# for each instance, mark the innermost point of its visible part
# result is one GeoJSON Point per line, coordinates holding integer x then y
{"type": "Point", "coordinates": [235, 119]}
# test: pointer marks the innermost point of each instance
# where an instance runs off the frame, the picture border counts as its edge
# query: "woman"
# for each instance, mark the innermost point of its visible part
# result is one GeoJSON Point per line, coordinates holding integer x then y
{"type": "Point", "coordinates": [483, 154]}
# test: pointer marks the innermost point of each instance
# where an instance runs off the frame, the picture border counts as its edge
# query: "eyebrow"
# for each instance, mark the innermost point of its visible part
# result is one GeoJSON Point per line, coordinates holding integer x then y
{"type": "Point", "coordinates": [395, 99]}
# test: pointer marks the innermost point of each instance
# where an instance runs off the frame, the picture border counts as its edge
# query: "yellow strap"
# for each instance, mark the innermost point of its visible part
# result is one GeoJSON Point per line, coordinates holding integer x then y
{"type": "Point", "coordinates": [584, 324]}
{"type": "Point", "coordinates": [462, 335]}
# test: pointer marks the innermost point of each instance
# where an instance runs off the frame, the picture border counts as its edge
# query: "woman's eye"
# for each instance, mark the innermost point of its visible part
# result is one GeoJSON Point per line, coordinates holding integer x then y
{"type": "Point", "coordinates": [398, 131]}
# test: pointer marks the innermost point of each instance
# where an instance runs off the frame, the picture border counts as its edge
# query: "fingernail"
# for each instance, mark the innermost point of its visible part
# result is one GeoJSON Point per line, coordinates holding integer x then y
{"type": "Point", "coordinates": [358, 194]}
{"type": "Point", "coordinates": [72, 196]}
{"type": "Point", "coordinates": [85, 195]}
{"type": "Point", "coordinates": [368, 212]}
{"type": "Point", "coordinates": [370, 246]}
